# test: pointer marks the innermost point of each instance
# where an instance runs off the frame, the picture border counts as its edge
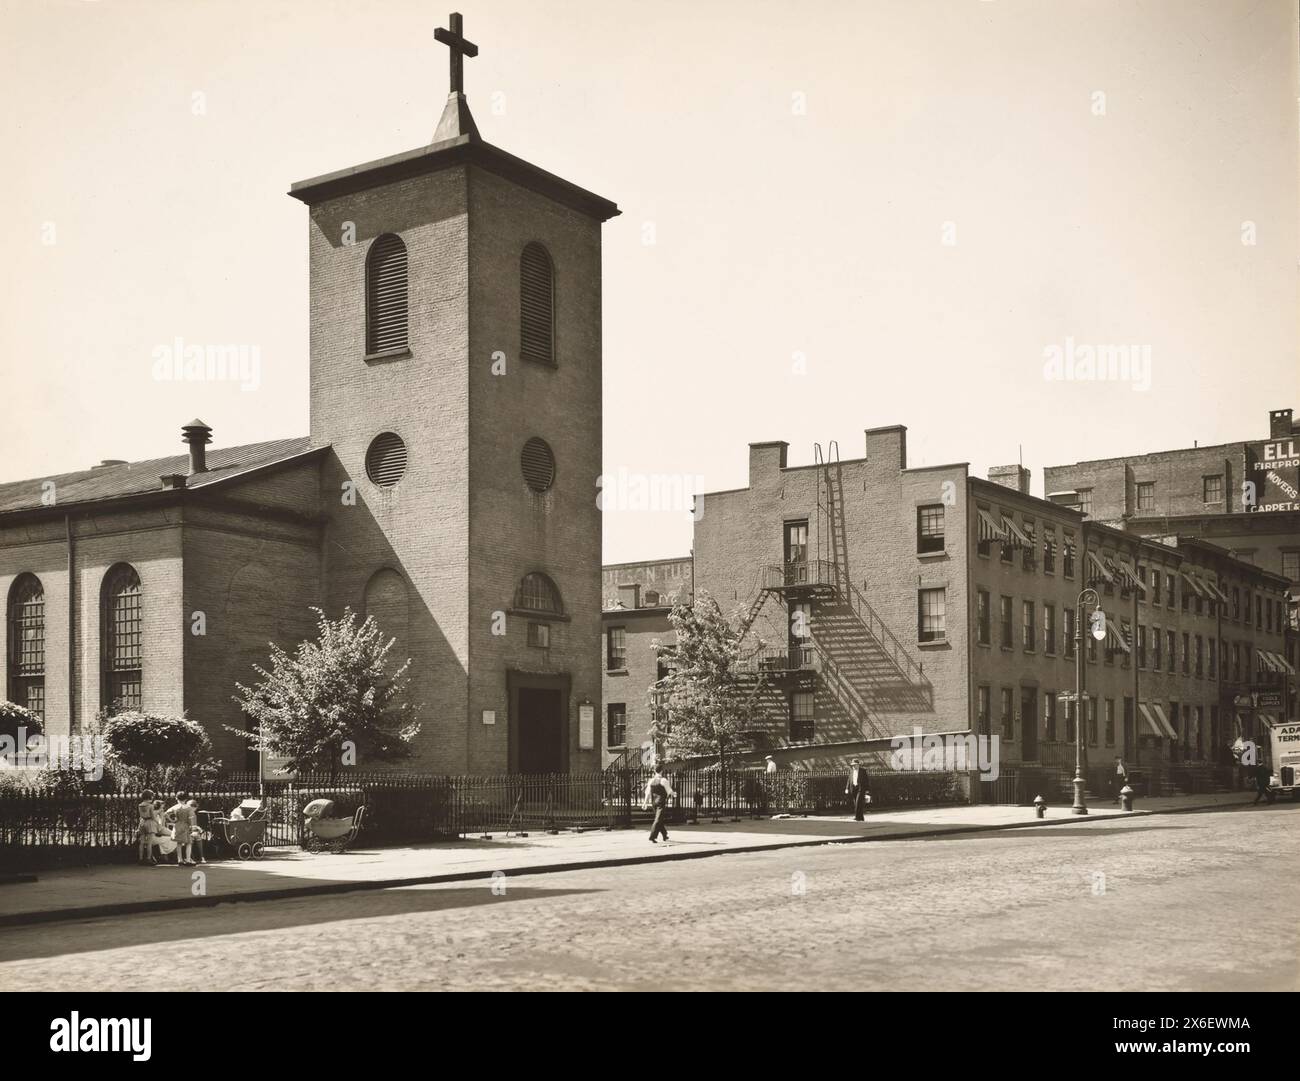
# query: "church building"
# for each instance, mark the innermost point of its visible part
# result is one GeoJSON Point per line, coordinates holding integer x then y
{"type": "Point", "coordinates": [447, 485]}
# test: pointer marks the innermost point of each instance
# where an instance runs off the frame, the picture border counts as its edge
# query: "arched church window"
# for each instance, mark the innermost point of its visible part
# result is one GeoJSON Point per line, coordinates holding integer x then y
{"type": "Point", "coordinates": [386, 295]}
{"type": "Point", "coordinates": [122, 604]}
{"type": "Point", "coordinates": [536, 305]}
{"type": "Point", "coordinates": [27, 643]}
{"type": "Point", "coordinates": [537, 593]}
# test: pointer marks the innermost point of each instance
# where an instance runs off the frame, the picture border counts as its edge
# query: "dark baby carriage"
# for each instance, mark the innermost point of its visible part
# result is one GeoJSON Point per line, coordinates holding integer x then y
{"type": "Point", "coordinates": [244, 831]}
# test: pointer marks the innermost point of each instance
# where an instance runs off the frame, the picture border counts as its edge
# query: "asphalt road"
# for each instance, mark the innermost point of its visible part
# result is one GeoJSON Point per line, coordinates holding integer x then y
{"type": "Point", "coordinates": [1205, 901]}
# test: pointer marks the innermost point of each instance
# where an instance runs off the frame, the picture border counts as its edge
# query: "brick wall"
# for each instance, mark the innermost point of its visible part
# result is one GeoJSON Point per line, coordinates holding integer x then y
{"type": "Point", "coordinates": [859, 691]}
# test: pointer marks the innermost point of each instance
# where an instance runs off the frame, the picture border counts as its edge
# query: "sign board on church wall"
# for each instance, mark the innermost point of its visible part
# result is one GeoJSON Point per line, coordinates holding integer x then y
{"type": "Point", "coordinates": [586, 727]}
{"type": "Point", "coordinates": [1274, 468]}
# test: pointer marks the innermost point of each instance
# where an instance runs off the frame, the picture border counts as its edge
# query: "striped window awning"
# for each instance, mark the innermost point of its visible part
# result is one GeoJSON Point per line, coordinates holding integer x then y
{"type": "Point", "coordinates": [1284, 664]}
{"type": "Point", "coordinates": [1275, 662]}
{"type": "Point", "coordinates": [989, 530]}
{"type": "Point", "coordinates": [1127, 569]}
{"type": "Point", "coordinates": [1115, 638]}
{"type": "Point", "coordinates": [1017, 536]}
{"type": "Point", "coordinates": [1099, 570]}
{"type": "Point", "coordinates": [1157, 721]}
{"type": "Point", "coordinates": [1191, 580]}
{"type": "Point", "coordinates": [1264, 660]}
{"type": "Point", "coordinates": [1213, 587]}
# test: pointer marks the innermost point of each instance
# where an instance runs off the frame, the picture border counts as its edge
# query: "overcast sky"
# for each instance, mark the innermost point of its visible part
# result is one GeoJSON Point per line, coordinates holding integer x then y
{"type": "Point", "coordinates": [836, 215]}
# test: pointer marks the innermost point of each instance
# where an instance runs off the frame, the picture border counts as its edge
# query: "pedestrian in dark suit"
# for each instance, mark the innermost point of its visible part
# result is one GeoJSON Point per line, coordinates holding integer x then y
{"type": "Point", "coordinates": [858, 789]}
{"type": "Point", "coordinates": [1262, 776]}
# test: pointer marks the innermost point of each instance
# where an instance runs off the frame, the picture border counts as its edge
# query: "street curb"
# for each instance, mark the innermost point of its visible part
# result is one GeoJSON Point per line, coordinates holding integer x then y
{"type": "Point", "coordinates": [126, 908]}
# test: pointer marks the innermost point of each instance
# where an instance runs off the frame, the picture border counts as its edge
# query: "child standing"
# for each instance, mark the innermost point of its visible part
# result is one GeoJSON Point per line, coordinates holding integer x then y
{"type": "Point", "coordinates": [145, 831]}
{"type": "Point", "coordinates": [198, 829]}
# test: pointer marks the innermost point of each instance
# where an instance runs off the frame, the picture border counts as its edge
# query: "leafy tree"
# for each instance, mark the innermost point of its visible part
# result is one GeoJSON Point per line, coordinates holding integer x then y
{"type": "Point", "coordinates": [333, 696]}
{"type": "Point", "coordinates": [13, 717]}
{"type": "Point", "coordinates": [705, 704]}
{"type": "Point", "coordinates": [156, 747]}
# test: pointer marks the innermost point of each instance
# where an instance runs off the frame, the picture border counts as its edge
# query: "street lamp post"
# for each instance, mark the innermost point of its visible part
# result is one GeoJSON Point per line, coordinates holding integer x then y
{"type": "Point", "coordinates": [1080, 806]}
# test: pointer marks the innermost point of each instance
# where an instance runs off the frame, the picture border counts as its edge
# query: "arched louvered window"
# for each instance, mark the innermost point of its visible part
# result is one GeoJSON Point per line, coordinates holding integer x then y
{"type": "Point", "coordinates": [537, 462]}
{"type": "Point", "coordinates": [123, 666]}
{"type": "Point", "coordinates": [386, 459]}
{"type": "Point", "coordinates": [536, 305]}
{"type": "Point", "coordinates": [27, 643]}
{"type": "Point", "coordinates": [386, 295]}
{"type": "Point", "coordinates": [537, 593]}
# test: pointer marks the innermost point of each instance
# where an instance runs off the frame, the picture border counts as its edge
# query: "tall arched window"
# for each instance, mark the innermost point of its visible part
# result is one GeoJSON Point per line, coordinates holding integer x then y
{"type": "Point", "coordinates": [386, 295]}
{"type": "Point", "coordinates": [121, 602]}
{"type": "Point", "coordinates": [27, 643]}
{"type": "Point", "coordinates": [386, 599]}
{"type": "Point", "coordinates": [537, 593]}
{"type": "Point", "coordinates": [536, 305]}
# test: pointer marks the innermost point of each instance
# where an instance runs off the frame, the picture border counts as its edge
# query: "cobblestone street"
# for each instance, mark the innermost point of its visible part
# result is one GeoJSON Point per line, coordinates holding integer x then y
{"type": "Point", "coordinates": [1179, 902]}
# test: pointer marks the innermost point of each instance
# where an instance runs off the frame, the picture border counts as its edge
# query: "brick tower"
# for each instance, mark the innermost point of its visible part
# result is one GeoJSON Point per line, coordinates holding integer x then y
{"type": "Point", "coordinates": [456, 377]}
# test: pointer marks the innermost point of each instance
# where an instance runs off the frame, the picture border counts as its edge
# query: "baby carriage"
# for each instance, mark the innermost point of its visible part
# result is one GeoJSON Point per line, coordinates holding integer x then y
{"type": "Point", "coordinates": [244, 831]}
{"type": "Point", "coordinates": [325, 830]}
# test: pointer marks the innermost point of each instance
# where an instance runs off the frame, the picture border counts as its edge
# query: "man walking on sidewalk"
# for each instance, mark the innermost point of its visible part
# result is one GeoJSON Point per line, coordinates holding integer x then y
{"type": "Point", "coordinates": [858, 789]}
{"type": "Point", "coordinates": [657, 791]}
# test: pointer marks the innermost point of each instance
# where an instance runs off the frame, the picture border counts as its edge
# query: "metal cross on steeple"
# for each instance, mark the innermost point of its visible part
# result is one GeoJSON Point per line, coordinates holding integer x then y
{"type": "Point", "coordinates": [460, 48]}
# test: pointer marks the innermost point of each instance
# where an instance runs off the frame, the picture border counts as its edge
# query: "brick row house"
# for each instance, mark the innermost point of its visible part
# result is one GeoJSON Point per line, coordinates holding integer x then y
{"type": "Point", "coordinates": [879, 598]}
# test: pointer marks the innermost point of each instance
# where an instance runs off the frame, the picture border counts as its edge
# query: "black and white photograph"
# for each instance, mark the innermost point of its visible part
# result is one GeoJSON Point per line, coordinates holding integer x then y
{"type": "Point", "coordinates": [728, 496]}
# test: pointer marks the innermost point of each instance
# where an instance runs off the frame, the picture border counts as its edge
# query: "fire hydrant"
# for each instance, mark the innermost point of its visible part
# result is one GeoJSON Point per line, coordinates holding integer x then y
{"type": "Point", "coordinates": [1126, 798]}
{"type": "Point", "coordinates": [1040, 805]}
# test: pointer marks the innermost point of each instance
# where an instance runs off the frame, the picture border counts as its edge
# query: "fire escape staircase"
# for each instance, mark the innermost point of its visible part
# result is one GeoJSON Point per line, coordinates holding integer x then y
{"type": "Point", "coordinates": [826, 578]}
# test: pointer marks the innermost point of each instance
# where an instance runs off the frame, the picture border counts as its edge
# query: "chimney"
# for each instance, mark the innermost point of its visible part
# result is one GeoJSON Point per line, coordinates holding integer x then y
{"type": "Point", "coordinates": [887, 445]}
{"type": "Point", "coordinates": [1279, 424]}
{"type": "Point", "coordinates": [198, 435]}
{"type": "Point", "coordinates": [630, 596]}
{"type": "Point", "coordinates": [109, 463]}
{"type": "Point", "coordinates": [766, 460]}
{"type": "Point", "coordinates": [1011, 476]}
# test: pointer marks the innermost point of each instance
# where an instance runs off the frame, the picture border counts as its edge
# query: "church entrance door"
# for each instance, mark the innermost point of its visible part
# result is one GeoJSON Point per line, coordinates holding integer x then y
{"type": "Point", "coordinates": [541, 730]}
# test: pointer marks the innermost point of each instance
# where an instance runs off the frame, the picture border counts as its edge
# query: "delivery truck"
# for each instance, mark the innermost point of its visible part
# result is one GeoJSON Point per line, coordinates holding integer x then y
{"type": "Point", "coordinates": [1284, 745]}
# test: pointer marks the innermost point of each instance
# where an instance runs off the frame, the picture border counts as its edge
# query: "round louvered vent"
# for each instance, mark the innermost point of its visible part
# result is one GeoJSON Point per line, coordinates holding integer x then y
{"type": "Point", "coordinates": [386, 459]}
{"type": "Point", "coordinates": [538, 464]}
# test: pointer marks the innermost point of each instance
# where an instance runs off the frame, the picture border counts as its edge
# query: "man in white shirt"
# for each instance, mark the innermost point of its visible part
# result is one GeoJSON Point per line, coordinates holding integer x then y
{"type": "Point", "coordinates": [657, 792]}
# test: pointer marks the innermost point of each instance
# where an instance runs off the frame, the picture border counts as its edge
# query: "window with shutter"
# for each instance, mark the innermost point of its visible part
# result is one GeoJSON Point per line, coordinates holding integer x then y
{"type": "Point", "coordinates": [536, 305]}
{"type": "Point", "coordinates": [538, 464]}
{"type": "Point", "coordinates": [386, 295]}
{"type": "Point", "coordinates": [386, 459]}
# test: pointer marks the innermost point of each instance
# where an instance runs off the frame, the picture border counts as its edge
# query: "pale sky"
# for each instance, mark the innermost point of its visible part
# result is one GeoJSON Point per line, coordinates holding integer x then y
{"type": "Point", "coordinates": [798, 167]}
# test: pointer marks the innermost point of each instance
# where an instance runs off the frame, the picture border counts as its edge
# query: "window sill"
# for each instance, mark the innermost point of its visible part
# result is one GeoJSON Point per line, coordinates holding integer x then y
{"type": "Point", "coordinates": [615, 671]}
{"type": "Point", "coordinates": [930, 557]}
{"type": "Point", "coordinates": [940, 643]}
{"type": "Point", "coordinates": [540, 617]}
{"type": "Point", "coordinates": [540, 363]}
{"type": "Point", "coordinates": [402, 353]}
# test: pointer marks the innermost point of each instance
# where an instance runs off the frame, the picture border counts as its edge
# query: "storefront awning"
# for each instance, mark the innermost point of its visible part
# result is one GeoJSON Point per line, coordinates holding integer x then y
{"type": "Point", "coordinates": [989, 529]}
{"type": "Point", "coordinates": [1154, 717]}
{"type": "Point", "coordinates": [1099, 569]}
{"type": "Point", "coordinates": [1018, 537]}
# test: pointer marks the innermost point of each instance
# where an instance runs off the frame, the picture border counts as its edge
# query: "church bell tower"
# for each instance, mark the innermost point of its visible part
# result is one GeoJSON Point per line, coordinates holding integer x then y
{"type": "Point", "coordinates": [456, 376]}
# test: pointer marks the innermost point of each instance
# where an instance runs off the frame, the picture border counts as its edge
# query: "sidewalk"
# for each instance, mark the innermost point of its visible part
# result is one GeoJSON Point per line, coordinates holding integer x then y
{"type": "Point", "coordinates": [114, 890]}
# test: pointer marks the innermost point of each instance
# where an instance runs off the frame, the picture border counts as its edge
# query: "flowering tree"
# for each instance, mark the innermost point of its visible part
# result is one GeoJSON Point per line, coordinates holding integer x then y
{"type": "Point", "coordinates": [705, 703]}
{"type": "Point", "coordinates": [333, 701]}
